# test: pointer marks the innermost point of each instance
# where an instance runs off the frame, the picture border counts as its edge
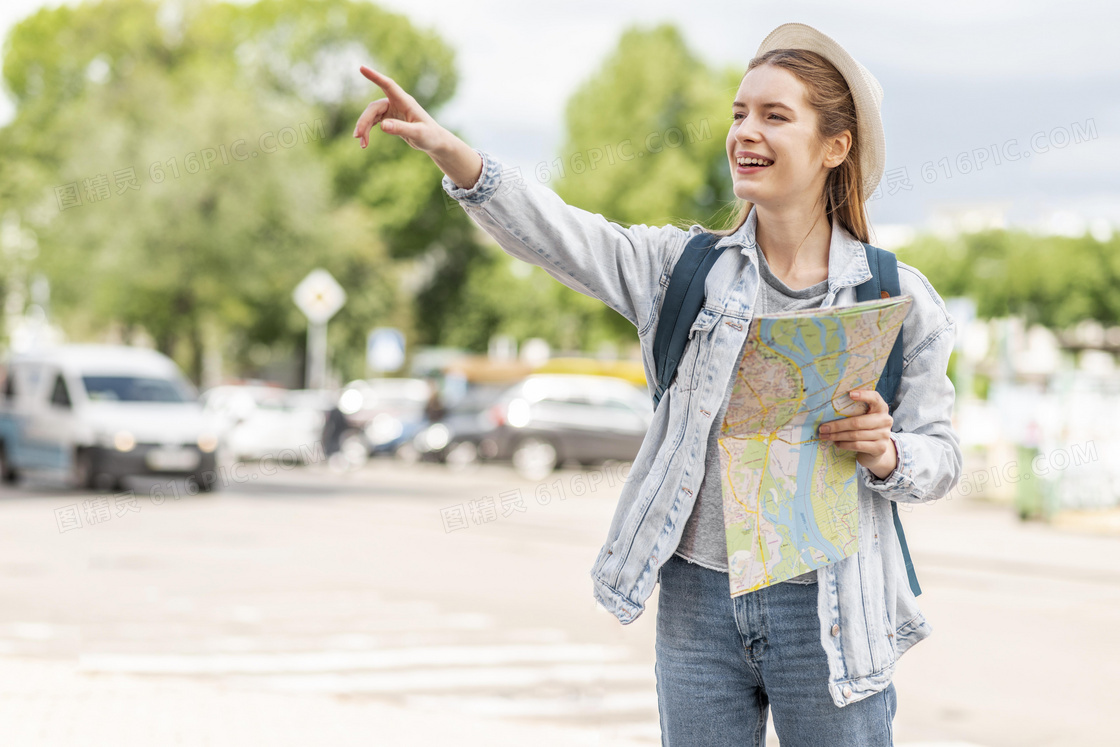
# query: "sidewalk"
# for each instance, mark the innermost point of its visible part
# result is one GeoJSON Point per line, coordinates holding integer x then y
{"type": "Point", "coordinates": [281, 577]}
{"type": "Point", "coordinates": [1100, 521]}
{"type": "Point", "coordinates": [45, 703]}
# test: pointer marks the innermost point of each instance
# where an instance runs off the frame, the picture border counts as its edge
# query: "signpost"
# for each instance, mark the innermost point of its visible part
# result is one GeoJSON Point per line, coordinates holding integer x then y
{"type": "Point", "coordinates": [385, 349]}
{"type": "Point", "coordinates": [319, 297]}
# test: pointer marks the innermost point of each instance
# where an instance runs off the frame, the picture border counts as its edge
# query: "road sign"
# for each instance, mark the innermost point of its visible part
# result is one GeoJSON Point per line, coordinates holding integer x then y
{"type": "Point", "coordinates": [385, 349]}
{"type": "Point", "coordinates": [319, 296]}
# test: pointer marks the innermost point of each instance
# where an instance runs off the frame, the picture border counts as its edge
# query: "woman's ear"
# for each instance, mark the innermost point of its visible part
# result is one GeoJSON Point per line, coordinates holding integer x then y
{"type": "Point", "coordinates": [836, 149]}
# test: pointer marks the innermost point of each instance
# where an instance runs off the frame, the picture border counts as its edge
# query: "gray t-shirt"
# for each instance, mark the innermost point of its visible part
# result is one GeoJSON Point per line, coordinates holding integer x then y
{"type": "Point", "coordinates": [704, 540]}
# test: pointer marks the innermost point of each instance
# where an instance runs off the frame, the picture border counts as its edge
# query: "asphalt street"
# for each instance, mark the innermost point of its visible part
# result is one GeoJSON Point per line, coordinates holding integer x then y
{"type": "Point", "coordinates": [395, 605]}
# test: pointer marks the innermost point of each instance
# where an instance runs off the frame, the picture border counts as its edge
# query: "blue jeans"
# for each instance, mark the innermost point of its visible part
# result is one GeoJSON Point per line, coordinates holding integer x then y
{"type": "Point", "coordinates": [721, 661]}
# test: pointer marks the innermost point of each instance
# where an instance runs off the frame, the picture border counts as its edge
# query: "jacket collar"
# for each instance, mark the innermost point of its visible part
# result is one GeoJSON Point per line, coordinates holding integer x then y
{"type": "Point", "coordinates": [847, 261]}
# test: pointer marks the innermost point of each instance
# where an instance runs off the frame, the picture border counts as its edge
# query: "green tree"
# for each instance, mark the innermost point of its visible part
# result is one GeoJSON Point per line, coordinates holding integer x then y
{"type": "Point", "coordinates": [655, 95]}
{"type": "Point", "coordinates": [645, 139]}
{"type": "Point", "coordinates": [504, 295]}
{"type": "Point", "coordinates": [1055, 281]}
{"type": "Point", "coordinates": [208, 240]}
{"type": "Point", "coordinates": [652, 96]}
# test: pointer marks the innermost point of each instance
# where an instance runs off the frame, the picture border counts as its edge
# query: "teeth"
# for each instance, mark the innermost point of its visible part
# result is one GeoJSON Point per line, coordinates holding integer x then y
{"type": "Point", "coordinates": [754, 162]}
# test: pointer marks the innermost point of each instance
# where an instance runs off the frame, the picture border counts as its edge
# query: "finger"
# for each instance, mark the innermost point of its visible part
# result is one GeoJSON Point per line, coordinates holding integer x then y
{"type": "Point", "coordinates": [867, 447]}
{"type": "Point", "coordinates": [858, 422]}
{"type": "Point", "coordinates": [371, 116]}
{"type": "Point", "coordinates": [872, 398]}
{"type": "Point", "coordinates": [860, 435]}
{"type": "Point", "coordinates": [400, 127]}
{"type": "Point", "coordinates": [387, 84]}
{"type": "Point", "coordinates": [368, 118]}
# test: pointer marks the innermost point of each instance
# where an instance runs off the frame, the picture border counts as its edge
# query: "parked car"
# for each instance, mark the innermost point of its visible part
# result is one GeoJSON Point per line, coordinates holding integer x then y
{"type": "Point", "coordinates": [259, 420]}
{"type": "Point", "coordinates": [95, 414]}
{"type": "Point", "coordinates": [459, 437]}
{"type": "Point", "coordinates": [546, 420]}
{"type": "Point", "coordinates": [383, 413]}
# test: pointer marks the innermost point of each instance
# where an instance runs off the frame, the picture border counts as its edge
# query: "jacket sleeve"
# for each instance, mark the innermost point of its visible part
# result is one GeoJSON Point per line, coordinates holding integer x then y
{"type": "Point", "coordinates": [930, 458]}
{"type": "Point", "coordinates": [622, 267]}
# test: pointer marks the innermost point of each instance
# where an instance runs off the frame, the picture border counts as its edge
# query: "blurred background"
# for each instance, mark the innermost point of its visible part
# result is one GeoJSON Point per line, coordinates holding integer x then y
{"type": "Point", "coordinates": [291, 451]}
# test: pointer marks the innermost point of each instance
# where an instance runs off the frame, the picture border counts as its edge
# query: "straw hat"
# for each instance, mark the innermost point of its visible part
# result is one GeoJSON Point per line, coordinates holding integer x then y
{"type": "Point", "coordinates": [866, 92]}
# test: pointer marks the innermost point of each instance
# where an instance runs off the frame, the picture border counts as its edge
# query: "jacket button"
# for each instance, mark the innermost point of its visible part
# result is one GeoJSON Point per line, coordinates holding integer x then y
{"type": "Point", "coordinates": [836, 630]}
{"type": "Point", "coordinates": [847, 691]}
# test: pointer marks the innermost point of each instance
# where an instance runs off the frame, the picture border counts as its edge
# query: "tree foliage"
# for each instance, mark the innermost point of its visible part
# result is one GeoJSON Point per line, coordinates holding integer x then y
{"type": "Point", "coordinates": [656, 102]}
{"type": "Point", "coordinates": [644, 143]}
{"type": "Point", "coordinates": [1055, 281]}
{"type": "Point", "coordinates": [235, 121]}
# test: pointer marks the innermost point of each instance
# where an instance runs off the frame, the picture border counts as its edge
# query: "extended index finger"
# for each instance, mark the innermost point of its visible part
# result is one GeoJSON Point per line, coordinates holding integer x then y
{"type": "Point", "coordinates": [387, 84]}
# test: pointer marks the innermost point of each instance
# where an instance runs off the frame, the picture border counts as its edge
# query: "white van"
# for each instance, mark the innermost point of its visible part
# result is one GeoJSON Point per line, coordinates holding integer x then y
{"type": "Point", "coordinates": [95, 414]}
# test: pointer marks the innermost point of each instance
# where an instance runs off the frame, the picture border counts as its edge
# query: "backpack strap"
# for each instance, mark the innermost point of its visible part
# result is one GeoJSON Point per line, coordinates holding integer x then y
{"type": "Point", "coordinates": [683, 300]}
{"type": "Point", "coordinates": [883, 284]}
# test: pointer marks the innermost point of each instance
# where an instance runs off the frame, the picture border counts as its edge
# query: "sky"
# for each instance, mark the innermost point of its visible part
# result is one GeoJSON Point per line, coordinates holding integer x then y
{"type": "Point", "coordinates": [960, 78]}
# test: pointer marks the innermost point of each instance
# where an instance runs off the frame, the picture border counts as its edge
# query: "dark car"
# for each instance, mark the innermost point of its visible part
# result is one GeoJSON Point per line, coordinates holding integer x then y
{"type": "Point", "coordinates": [459, 436]}
{"type": "Point", "coordinates": [546, 420]}
{"type": "Point", "coordinates": [375, 416]}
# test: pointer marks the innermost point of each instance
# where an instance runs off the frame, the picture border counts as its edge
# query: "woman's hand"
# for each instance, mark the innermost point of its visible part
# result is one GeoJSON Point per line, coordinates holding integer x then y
{"type": "Point", "coordinates": [399, 114]}
{"type": "Point", "coordinates": [868, 434]}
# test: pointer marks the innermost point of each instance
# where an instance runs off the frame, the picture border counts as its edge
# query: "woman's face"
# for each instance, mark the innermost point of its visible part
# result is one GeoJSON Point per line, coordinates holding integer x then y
{"type": "Point", "coordinates": [772, 120]}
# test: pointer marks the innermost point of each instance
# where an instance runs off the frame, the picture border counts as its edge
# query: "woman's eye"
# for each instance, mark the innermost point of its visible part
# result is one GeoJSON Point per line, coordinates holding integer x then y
{"type": "Point", "coordinates": [779, 116]}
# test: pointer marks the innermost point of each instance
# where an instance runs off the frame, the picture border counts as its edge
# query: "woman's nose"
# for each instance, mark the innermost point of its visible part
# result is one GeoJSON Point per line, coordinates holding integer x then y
{"type": "Point", "coordinates": [746, 133]}
{"type": "Point", "coordinates": [746, 138]}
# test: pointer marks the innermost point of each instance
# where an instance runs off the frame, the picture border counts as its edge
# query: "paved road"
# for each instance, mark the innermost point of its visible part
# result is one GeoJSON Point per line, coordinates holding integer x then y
{"type": "Point", "coordinates": [398, 606]}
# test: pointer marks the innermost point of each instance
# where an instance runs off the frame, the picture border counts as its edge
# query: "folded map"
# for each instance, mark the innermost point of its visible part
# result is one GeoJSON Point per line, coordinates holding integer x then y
{"type": "Point", "coordinates": [790, 500]}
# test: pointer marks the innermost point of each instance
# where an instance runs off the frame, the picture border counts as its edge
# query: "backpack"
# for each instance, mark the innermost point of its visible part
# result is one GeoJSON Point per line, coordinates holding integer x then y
{"type": "Point", "coordinates": [685, 297]}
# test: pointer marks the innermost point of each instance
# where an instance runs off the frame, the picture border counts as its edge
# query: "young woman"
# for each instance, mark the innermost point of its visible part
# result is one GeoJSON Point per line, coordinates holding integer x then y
{"type": "Point", "coordinates": [805, 149]}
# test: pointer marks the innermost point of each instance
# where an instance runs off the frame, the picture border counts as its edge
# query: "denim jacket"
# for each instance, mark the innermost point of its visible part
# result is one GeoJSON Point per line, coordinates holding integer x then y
{"type": "Point", "coordinates": [868, 614]}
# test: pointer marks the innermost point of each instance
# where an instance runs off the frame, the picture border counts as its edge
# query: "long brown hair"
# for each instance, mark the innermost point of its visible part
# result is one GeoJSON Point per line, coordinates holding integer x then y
{"type": "Point", "coordinates": [828, 94]}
